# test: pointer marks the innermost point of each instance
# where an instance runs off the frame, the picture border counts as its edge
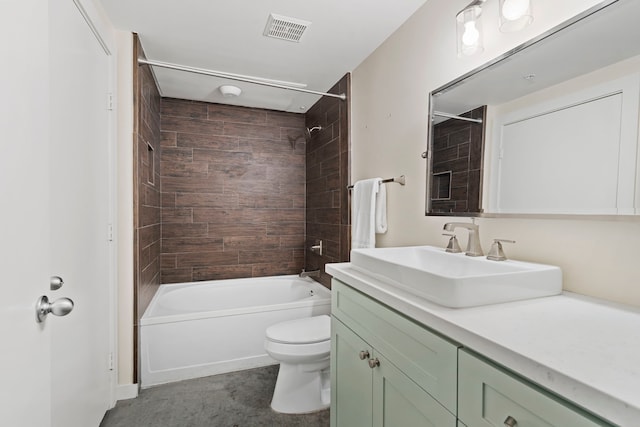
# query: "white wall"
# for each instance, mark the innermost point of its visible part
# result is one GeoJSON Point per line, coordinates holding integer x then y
{"type": "Point", "coordinates": [389, 131]}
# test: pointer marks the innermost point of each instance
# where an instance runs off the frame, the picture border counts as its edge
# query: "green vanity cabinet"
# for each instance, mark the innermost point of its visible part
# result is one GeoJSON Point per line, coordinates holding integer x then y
{"type": "Point", "coordinates": [385, 369]}
{"type": "Point", "coordinates": [368, 390]}
{"type": "Point", "coordinates": [388, 370]}
{"type": "Point", "coordinates": [490, 396]}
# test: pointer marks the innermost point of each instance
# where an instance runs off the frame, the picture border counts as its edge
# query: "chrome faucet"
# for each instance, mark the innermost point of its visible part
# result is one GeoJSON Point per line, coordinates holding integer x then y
{"type": "Point", "coordinates": [473, 242]}
{"type": "Point", "coordinates": [312, 273]}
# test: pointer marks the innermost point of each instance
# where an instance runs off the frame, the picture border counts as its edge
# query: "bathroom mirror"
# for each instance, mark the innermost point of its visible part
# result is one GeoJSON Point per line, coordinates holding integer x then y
{"type": "Point", "coordinates": [524, 150]}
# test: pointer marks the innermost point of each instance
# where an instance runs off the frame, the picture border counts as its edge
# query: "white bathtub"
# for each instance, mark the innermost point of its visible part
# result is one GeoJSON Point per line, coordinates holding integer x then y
{"type": "Point", "coordinates": [193, 330]}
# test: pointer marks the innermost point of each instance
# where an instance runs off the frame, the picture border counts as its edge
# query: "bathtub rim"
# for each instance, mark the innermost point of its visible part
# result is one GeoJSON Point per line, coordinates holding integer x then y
{"type": "Point", "coordinates": [146, 320]}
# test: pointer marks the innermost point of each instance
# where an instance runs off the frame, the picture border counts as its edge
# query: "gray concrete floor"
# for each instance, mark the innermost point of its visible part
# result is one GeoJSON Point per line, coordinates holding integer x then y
{"type": "Point", "coordinates": [237, 399]}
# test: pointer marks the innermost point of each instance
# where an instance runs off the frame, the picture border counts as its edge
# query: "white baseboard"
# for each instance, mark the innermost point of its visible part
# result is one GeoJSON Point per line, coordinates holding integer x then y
{"type": "Point", "coordinates": [126, 391]}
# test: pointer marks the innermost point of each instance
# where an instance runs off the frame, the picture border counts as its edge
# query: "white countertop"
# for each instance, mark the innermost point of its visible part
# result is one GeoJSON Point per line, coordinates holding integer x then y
{"type": "Point", "coordinates": [584, 349]}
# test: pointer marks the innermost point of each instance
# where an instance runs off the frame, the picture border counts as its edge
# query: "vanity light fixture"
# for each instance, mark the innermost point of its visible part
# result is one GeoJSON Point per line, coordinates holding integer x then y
{"type": "Point", "coordinates": [515, 15]}
{"type": "Point", "coordinates": [469, 29]}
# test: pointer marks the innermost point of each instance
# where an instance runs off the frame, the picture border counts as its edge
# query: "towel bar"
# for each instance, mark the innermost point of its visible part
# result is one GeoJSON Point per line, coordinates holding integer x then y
{"type": "Point", "coordinates": [400, 180]}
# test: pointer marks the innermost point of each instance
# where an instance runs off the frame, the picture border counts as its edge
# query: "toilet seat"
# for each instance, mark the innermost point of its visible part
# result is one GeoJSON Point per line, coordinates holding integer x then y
{"type": "Point", "coordinates": [308, 330]}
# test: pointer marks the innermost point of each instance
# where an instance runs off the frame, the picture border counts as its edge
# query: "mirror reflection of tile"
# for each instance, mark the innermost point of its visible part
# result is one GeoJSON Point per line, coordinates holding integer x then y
{"type": "Point", "coordinates": [457, 164]}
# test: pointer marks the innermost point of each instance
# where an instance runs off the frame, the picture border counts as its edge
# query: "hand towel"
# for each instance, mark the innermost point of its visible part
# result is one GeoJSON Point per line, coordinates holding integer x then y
{"type": "Point", "coordinates": [363, 211]}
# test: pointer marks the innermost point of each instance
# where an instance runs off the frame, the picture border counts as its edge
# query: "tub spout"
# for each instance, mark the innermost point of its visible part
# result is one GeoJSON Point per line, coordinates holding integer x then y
{"type": "Point", "coordinates": [312, 273]}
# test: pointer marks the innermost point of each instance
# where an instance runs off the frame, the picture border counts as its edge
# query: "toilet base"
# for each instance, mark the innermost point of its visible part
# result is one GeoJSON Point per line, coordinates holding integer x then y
{"type": "Point", "coordinates": [302, 388]}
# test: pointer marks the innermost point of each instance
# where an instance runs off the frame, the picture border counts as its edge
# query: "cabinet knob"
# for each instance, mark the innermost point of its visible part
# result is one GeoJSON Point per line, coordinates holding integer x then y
{"type": "Point", "coordinates": [364, 354]}
{"type": "Point", "coordinates": [510, 422]}
{"type": "Point", "coordinates": [374, 362]}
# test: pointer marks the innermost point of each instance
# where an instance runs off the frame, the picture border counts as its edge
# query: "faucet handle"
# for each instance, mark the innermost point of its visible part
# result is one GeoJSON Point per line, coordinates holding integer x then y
{"type": "Point", "coordinates": [496, 253]}
{"type": "Point", "coordinates": [453, 246]}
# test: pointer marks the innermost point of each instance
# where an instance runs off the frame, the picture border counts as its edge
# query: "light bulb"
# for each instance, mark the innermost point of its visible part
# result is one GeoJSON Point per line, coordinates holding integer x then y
{"type": "Point", "coordinates": [514, 9]}
{"type": "Point", "coordinates": [471, 34]}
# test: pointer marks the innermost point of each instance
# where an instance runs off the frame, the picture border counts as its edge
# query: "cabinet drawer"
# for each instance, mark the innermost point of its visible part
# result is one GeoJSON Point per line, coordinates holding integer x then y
{"type": "Point", "coordinates": [428, 359]}
{"type": "Point", "coordinates": [489, 395]}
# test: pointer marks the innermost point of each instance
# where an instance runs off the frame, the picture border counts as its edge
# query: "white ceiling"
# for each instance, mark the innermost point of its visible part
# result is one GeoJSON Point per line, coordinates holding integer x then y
{"type": "Point", "coordinates": [227, 36]}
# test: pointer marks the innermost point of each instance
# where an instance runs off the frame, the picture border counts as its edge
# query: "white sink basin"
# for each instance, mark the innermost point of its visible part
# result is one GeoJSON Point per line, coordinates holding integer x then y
{"type": "Point", "coordinates": [456, 280]}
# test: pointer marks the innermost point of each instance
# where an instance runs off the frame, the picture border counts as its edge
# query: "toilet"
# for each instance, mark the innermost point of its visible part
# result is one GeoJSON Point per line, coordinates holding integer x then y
{"type": "Point", "coordinates": [302, 347]}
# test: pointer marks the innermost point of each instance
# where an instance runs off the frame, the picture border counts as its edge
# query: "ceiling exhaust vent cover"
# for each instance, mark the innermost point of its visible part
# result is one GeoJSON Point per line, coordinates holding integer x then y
{"type": "Point", "coordinates": [285, 28]}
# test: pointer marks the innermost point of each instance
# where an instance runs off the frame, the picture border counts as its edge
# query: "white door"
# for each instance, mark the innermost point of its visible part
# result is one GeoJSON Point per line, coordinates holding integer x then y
{"type": "Point", "coordinates": [54, 167]}
{"type": "Point", "coordinates": [24, 225]}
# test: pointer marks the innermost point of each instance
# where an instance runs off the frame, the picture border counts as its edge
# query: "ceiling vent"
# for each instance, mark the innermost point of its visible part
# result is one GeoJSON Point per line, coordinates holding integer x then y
{"type": "Point", "coordinates": [285, 28]}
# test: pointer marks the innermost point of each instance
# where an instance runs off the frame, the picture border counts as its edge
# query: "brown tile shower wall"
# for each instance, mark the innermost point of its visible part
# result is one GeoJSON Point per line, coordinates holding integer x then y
{"type": "Point", "coordinates": [233, 191]}
{"type": "Point", "coordinates": [457, 148]}
{"type": "Point", "coordinates": [147, 152]}
{"type": "Point", "coordinates": [328, 176]}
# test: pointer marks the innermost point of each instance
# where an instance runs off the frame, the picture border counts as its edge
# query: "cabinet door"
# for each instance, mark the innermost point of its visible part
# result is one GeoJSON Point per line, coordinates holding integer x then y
{"type": "Point", "coordinates": [489, 396]}
{"type": "Point", "coordinates": [428, 359]}
{"type": "Point", "coordinates": [351, 378]}
{"type": "Point", "coordinates": [398, 401]}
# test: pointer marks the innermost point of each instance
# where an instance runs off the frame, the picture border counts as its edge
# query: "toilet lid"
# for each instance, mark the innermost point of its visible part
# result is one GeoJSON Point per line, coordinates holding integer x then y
{"type": "Point", "coordinates": [301, 331]}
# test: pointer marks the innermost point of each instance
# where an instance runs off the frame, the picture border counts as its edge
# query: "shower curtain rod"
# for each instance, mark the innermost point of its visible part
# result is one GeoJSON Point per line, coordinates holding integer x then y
{"type": "Point", "coordinates": [213, 73]}
{"type": "Point", "coordinates": [453, 116]}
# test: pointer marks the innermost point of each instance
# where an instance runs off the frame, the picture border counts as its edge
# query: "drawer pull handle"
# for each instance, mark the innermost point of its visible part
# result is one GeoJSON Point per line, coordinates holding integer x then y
{"type": "Point", "coordinates": [510, 422]}
{"type": "Point", "coordinates": [374, 363]}
{"type": "Point", "coordinates": [364, 354]}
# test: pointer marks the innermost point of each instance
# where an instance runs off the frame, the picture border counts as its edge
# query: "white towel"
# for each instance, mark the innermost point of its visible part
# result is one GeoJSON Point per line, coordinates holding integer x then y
{"type": "Point", "coordinates": [369, 214]}
{"type": "Point", "coordinates": [381, 209]}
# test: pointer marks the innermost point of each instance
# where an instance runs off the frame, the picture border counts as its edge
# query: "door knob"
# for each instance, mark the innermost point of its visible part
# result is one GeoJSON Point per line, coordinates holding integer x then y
{"type": "Point", "coordinates": [60, 307]}
{"type": "Point", "coordinates": [374, 363]}
{"type": "Point", "coordinates": [364, 354]}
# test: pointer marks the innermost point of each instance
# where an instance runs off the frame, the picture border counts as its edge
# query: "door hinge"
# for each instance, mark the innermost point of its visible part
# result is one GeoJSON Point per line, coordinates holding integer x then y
{"type": "Point", "coordinates": [109, 101]}
{"type": "Point", "coordinates": [110, 362]}
{"type": "Point", "coordinates": [110, 232]}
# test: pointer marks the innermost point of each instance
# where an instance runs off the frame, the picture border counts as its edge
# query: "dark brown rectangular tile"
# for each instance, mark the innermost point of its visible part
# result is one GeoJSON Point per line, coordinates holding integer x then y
{"type": "Point", "coordinates": [187, 125]}
{"type": "Point", "coordinates": [183, 215]}
{"type": "Point", "coordinates": [214, 183]}
{"type": "Point", "coordinates": [276, 269]}
{"type": "Point", "coordinates": [192, 169]}
{"type": "Point", "coordinates": [285, 228]}
{"type": "Point", "coordinates": [191, 244]}
{"type": "Point", "coordinates": [207, 200]}
{"type": "Point", "coordinates": [207, 259]}
{"type": "Point", "coordinates": [183, 108]}
{"type": "Point", "coordinates": [168, 139]}
{"type": "Point", "coordinates": [221, 272]}
{"type": "Point", "coordinates": [292, 242]}
{"type": "Point", "coordinates": [184, 230]}
{"type": "Point", "coordinates": [290, 120]}
{"type": "Point", "coordinates": [235, 114]}
{"type": "Point", "coordinates": [237, 229]}
{"type": "Point", "coordinates": [269, 256]}
{"type": "Point", "coordinates": [244, 130]}
{"type": "Point", "coordinates": [251, 242]}
{"type": "Point", "coordinates": [211, 142]}
{"type": "Point", "coordinates": [177, 275]}
{"type": "Point", "coordinates": [177, 154]}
